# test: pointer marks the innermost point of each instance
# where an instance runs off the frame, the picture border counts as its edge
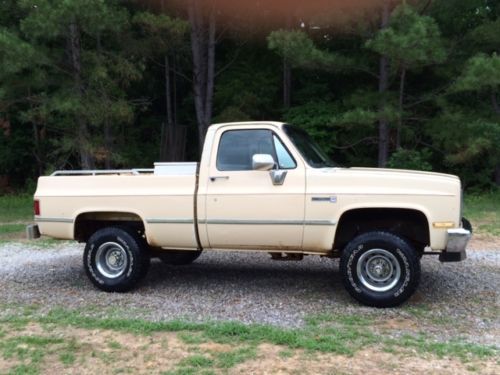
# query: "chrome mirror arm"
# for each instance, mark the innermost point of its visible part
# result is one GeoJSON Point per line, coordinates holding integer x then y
{"type": "Point", "coordinates": [278, 176]}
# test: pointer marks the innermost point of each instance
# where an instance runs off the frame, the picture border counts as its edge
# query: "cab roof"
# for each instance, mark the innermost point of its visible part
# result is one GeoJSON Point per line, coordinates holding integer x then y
{"type": "Point", "coordinates": [243, 123]}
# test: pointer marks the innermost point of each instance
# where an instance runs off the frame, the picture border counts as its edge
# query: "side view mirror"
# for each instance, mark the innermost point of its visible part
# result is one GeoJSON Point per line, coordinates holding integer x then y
{"type": "Point", "coordinates": [263, 162]}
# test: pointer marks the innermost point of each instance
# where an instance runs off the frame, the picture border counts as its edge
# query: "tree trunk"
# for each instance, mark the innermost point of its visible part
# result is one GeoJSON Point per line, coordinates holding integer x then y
{"type": "Point", "coordinates": [108, 130]}
{"type": "Point", "coordinates": [168, 124]}
{"type": "Point", "coordinates": [86, 159]}
{"type": "Point", "coordinates": [496, 108]}
{"type": "Point", "coordinates": [287, 72]}
{"type": "Point", "coordinates": [383, 127]}
{"type": "Point", "coordinates": [5, 128]}
{"type": "Point", "coordinates": [401, 102]}
{"type": "Point", "coordinates": [203, 50]}
{"type": "Point", "coordinates": [38, 149]}
{"type": "Point", "coordinates": [494, 103]}
{"type": "Point", "coordinates": [173, 135]}
{"type": "Point", "coordinates": [108, 145]}
{"type": "Point", "coordinates": [287, 83]}
{"type": "Point", "coordinates": [37, 137]}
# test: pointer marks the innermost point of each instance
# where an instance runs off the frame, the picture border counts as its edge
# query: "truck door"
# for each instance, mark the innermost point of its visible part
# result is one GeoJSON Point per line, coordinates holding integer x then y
{"type": "Point", "coordinates": [254, 209]}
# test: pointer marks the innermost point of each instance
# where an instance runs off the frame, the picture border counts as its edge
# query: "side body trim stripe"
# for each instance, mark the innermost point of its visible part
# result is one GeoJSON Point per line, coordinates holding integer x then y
{"type": "Point", "coordinates": [53, 220]}
{"type": "Point", "coordinates": [169, 221]}
{"type": "Point", "coordinates": [239, 222]}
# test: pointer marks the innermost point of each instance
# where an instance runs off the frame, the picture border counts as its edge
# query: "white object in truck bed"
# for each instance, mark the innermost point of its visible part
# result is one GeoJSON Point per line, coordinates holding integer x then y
{"type": "Point", "coordinates": [175, 169]}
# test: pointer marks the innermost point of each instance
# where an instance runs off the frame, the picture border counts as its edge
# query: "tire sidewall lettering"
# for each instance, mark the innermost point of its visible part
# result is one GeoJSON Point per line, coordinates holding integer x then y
{"type": "Point", "coordinates": [407, 272]}
{"type": "Point", "coordinates": [350, 262]}
{"type": "Point", "coordinates": [125, 244]}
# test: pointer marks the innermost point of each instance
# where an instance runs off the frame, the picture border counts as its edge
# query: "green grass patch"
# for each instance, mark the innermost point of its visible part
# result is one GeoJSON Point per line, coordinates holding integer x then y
{"type": "Point", "coordinates": [191, 338]}
{"type": "Point", "coordinates": [16, 208]}
{"type": "Point", "coordinates": [342, 339]}
{"type": "Point", "coordinates": [11, 228]}
{"type": "Point", "coordinates": [484, 212]}
{"type": "Point", "coordinates": [189, 371]}
{"type": "Point", "coordinates": [67, 353]}
{"type": "Point", "coordinates": [346, 320]}
{"type": "Point", "coordinates": [29, 350]}
{"type": "Point", "coordinates": [46, 242]}
{"type": "Point", "coordinates": [453, 348]}
{"type": "Point", "coordinates": [67, 358]}
{"type": "Point", "coordinates": [230, 359]}
{"type": "Point", "coordinates": [197, 360]}
{"type": "Point", "coordinates": [339, 334]}
{"type": "Point", "coordinates": [286, 353]}
{"type": "Point", "coordinates": [31, 369]}
{"type": "Point", "coordinates": [327, 333]}
{"type": "Point", "coordinates": [114, 345]}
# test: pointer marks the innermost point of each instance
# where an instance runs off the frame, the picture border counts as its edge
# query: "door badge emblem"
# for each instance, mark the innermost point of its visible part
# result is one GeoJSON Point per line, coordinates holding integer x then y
{"type": "Point", "coordinates": [331, 199]}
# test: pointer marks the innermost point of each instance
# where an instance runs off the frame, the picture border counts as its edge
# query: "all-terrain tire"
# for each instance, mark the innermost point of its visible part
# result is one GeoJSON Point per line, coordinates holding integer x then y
{"type": "Point", "coordinates": [380, 269]}
{"type": "Point", "coordinates": [115, 259]}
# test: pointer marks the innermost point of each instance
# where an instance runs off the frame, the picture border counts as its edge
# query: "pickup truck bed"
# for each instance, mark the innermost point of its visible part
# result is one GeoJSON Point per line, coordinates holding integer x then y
{"type": "Point", "coordinates": [122, 196]}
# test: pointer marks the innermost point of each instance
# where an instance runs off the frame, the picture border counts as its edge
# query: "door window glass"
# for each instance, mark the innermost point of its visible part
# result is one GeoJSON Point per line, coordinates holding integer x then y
{"type": "Point", "coordinates": [237, 147]}
{"type": "Point", "coordinates": [285, 160]}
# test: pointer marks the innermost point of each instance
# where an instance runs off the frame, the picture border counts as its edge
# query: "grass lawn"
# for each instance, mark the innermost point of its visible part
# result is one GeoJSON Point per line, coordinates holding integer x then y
{"type": "Point", "coordinates": [32, 341]}
{"type": "Point", "coordinates": [484, 212]}
{"type": "Point", "coordinates": [16, 208]}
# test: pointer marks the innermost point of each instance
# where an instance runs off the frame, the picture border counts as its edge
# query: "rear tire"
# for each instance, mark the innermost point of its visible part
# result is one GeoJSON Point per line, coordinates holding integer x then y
{"type": "Point", "coordinates": [115, 259]}
{"type": "Point", "coordinates": [380, 269]}
{"type": "Point", "coordinates": [179, 257]}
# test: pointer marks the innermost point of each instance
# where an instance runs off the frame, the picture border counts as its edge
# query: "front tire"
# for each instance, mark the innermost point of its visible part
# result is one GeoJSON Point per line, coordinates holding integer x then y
{"type": "Point", "coordinates": [380, 269]}
{"type": "Point", "coordinates": [115, 259]}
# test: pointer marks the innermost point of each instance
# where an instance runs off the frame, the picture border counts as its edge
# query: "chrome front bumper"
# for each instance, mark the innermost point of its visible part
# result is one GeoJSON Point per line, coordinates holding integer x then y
{"type": "Point", "coordinates": [458, 238]}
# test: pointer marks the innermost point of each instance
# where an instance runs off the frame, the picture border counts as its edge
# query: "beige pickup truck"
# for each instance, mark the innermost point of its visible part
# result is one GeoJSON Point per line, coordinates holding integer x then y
{"type": "Point", "coordinates": [260, 186]}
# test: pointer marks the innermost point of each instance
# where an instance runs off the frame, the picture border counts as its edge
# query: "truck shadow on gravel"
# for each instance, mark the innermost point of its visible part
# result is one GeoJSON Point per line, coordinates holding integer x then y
{"type": "Point", "coordinates": [318, 280]}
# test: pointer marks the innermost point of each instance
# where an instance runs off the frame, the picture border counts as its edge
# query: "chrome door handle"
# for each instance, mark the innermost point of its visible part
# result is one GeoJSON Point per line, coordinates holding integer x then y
{"type": "Point", "coordinates": [213, 178]}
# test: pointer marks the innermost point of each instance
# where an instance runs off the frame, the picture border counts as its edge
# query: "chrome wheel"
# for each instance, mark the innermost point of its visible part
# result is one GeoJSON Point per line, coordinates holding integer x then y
{"type": "Point", "coordinates": [378, 270]}
{"type": "Point", "coordinates": [111, 260]}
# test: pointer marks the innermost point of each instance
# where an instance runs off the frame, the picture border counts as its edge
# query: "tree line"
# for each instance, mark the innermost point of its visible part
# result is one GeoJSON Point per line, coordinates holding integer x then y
{"type": "Point", "coordinates": [117, 84]}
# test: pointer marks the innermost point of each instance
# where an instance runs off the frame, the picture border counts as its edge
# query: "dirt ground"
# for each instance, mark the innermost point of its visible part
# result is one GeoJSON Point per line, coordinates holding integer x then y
{"type": "Point", "coordinates": [111, 352]}
{"type": "Point", "coordinates": [483, 241]}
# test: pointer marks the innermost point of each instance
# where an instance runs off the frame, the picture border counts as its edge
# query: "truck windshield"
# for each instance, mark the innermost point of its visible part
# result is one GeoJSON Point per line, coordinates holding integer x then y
{"type": "Point", "coordinates": [310, 150]}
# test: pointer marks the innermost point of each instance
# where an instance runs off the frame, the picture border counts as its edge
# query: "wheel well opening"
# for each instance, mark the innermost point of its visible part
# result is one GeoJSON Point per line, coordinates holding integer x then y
{"type": "Point", "coordinates": [88, 223]}
{"type": "Point", "coordinates": [408, 223]}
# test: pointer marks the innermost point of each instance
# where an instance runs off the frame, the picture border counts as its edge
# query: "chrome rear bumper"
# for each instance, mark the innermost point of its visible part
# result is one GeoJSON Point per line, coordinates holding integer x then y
{"type": "Point", "coordinates": [458, 238]}
{"type": "Point", "coordinates": [32, 231]}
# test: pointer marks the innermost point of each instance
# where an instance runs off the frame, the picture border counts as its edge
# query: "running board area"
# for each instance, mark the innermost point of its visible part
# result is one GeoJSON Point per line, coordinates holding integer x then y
{"type": "Point", "coordinates": [286, 256]}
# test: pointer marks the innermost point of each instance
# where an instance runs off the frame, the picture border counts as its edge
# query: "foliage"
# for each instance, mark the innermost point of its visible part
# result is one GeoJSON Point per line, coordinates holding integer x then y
{"type": "Point", "coordinates": [481, 73]}
{"type": "Point", "coordinates": [410, 159]}
{"type": "Point", "coordinates": [441, 100]}
{"type": "Point", "coordinates": [410, 40]}
{"type": "Point", "coordinates": [298, 48]}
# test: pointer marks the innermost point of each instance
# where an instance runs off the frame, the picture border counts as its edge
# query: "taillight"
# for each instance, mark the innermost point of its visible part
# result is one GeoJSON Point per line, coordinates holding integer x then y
{"type": "Point", "coordinates": [36, 207]}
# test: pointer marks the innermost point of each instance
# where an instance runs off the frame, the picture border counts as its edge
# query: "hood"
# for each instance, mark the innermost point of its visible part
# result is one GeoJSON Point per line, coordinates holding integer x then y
{"type": "Point", "coordinates": [379, 181]}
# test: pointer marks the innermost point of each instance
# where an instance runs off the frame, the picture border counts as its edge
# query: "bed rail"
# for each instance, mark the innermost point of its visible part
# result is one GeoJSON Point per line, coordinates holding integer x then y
{"type": "Point", "coordinates": [99, 172]}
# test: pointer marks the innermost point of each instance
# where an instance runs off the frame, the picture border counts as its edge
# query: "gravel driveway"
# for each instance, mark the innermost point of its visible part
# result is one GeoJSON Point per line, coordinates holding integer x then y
{"type": "Point", "coordinates": [253, 289]}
